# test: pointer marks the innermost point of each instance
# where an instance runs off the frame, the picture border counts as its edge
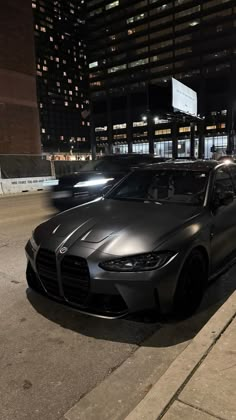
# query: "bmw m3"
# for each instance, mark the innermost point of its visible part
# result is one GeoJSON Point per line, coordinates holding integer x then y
{"type": "Point", "coordinates": [153, 242]}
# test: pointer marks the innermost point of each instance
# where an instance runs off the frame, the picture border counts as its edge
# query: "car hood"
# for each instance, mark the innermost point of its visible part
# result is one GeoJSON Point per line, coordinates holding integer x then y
{"type": "Point", "coordinates": [117, 227]}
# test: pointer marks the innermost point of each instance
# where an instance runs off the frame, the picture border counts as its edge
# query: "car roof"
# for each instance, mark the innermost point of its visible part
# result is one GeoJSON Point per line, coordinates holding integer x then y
{"type": "Point", "coordinates": [127, 156]}
{"type": "Point", "coordinates": [195, 165]}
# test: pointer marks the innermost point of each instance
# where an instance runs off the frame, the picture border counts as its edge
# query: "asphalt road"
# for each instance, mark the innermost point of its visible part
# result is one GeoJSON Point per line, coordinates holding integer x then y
{"type": "Point", "coordinates": [50, 356]}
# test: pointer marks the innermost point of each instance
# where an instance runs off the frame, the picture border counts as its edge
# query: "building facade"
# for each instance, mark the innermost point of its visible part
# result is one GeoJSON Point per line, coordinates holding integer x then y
{"type": "Point", "coordinates": [135, 47]}
{"type": "Point", "coordinates": [19, 122]}
{"type": "Point", "coordinates": [61, 74]}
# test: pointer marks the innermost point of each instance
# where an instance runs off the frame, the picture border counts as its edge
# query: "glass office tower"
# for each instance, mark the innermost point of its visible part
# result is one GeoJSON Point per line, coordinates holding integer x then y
{"type": "Point", "coordinates": [137, 46]}
{"type": "Point", "coordinates": [61, 60]}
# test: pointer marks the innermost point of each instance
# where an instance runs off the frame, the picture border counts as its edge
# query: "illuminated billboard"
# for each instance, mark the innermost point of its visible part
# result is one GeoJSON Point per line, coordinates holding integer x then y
{"type": "Point", "coordinates": [184, 99]}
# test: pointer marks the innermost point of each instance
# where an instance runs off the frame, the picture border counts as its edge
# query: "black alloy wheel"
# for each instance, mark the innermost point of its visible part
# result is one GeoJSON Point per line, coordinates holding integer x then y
{"type": "Point", "coordinates": [191, 285]}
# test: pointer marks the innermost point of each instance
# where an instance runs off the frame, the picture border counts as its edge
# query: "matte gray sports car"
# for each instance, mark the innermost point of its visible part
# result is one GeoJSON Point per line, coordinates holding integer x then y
{"type": "Point", "coordinates": [152, 242]}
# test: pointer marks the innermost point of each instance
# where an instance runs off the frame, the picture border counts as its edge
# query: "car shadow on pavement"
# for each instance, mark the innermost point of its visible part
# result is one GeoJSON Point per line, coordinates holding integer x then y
{"type": "Point", "coordinates": [137, 328]}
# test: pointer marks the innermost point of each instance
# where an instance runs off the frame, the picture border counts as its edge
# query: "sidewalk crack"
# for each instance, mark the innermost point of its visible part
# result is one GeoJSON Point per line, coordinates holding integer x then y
{"type": "Point", "coordinates": [199, 409]}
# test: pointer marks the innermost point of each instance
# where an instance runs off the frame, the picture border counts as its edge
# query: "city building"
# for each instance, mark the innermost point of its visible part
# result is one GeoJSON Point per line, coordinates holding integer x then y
{"type": "Point", "coordinates": [135, 47]}
{"type": "Point", "coordinates": [19, 122]}
{"type": "Point", "coordinates": [61, 74]}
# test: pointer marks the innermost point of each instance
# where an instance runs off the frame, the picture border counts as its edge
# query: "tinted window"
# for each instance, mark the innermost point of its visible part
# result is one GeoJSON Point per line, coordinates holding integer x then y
{"type": "Point", "coordinates": [232, 170]}
{"type": "Point", "coordinates": [172, 186]}
{"type": "Point", "coordinates": [223, 181]}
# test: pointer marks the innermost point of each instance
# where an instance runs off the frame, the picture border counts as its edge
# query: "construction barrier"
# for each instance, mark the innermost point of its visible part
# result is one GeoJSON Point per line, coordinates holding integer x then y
{"type": "Point", "coordinates": [18, 185]}
{"type": "Point", "coordinates": [19, 174]}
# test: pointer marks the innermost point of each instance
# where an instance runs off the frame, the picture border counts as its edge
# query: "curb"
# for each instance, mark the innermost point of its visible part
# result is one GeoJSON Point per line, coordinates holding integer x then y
{"type": "Point", "coordinates": [163, 393]}
{"type": "Point", "coordinates": [20, 194]}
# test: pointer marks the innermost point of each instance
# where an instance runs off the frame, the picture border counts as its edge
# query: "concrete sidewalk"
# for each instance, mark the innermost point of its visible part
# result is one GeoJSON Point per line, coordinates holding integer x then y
{"type": "Point", "coordinates": [201, 383]}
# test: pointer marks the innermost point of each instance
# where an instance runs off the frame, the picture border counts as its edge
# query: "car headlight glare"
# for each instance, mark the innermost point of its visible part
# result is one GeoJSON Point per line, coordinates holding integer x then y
{"type": "Point", "coordinates": [93, 182]}
{"type": "Point", "coordinates": [142, 262]}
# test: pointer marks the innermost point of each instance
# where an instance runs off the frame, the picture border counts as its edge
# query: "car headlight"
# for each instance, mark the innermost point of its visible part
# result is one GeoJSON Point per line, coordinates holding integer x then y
{"type": "Point", "coordinates": [93, 182]}
{"type": "Point", "coordinates": [142, 262]}
{"type": "Point", "coordinates": [33, 242]}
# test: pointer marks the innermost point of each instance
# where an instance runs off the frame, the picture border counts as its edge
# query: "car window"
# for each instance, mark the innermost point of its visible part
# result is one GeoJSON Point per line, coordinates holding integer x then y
{"type": "Point", "coordinates": [222, 182]}
{"type": "Point", "coordinates": [172, 186]}
{"type": "Point", "coordinates": [232, 170]}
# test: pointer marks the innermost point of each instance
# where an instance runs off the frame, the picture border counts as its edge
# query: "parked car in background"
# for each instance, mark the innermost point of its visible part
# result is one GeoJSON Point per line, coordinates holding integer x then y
{"type": "Point", "coordinates": [153, 242]}
{"type": "Point", "coordinates": [95, 178]}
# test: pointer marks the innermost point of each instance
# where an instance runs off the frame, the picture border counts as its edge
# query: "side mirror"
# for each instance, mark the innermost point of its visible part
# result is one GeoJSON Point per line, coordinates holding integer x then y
{"type": "Point", "coordinates": [223, 198]}
{"type": "Point", "coordinates": [228, 197]}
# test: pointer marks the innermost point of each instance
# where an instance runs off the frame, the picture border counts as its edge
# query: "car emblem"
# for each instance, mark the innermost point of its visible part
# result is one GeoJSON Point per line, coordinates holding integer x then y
{"type": "Point", "coordinates": [63, 250]}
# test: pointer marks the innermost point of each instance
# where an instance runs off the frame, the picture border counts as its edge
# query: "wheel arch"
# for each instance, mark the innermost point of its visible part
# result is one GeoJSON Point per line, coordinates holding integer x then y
{"type": "Point", "coordinates": [205, 254]}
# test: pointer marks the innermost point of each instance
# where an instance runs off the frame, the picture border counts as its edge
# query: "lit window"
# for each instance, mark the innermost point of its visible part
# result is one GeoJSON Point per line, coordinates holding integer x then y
{"type": "Point", "coordinates": [136, 18]}
{"type": "Point", "coordinates": [101, 128]}
{"type": "Point", "coordinates": [165, 131]}
{"type": "Point", "coordinates": [66, 103]}
{"type": "Point", "coordinates": [140, 62]}
{"type": "Point", "coordinates": [43, 130]}
{"type": "Point", "coordinates": [117, 68]}
{"type": "Point", "coordinates": [111, 5]}
{"type": "Point", "coordinates": [211, 127]}
{"type": "Point", "coordinates": [139, 123]}
{"type": "Point", "coordinates": [119, 126]}
{"type": "Point", "coordinates": [94, 64]}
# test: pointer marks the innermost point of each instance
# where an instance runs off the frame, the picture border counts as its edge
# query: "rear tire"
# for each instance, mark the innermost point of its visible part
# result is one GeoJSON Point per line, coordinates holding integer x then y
{"type": "Point", "coordinates": [191, 285]}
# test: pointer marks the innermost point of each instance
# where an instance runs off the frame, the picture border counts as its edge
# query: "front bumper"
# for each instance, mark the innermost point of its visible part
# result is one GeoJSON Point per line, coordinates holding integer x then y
{"type": "Point", "coordinates": [109, 294]}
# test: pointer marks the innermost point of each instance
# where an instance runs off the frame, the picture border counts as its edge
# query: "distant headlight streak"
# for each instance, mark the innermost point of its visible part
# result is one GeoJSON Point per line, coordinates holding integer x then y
{"type": "Point", "coordinates": [93, 182]}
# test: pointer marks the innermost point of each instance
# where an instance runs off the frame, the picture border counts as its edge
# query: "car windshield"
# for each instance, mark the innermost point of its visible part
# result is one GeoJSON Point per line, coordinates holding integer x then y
{"type": "Point", "coordinates": [162, 186]}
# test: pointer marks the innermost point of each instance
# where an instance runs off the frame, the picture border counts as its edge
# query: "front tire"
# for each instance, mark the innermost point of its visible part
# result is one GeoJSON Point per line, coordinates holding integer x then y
{"type": "Point", "coordinates": [191, 285]}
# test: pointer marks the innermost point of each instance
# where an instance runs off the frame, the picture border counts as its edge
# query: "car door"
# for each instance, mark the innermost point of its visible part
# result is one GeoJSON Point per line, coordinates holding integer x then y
{"type": "Point", "coordinates": [223, 224]}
